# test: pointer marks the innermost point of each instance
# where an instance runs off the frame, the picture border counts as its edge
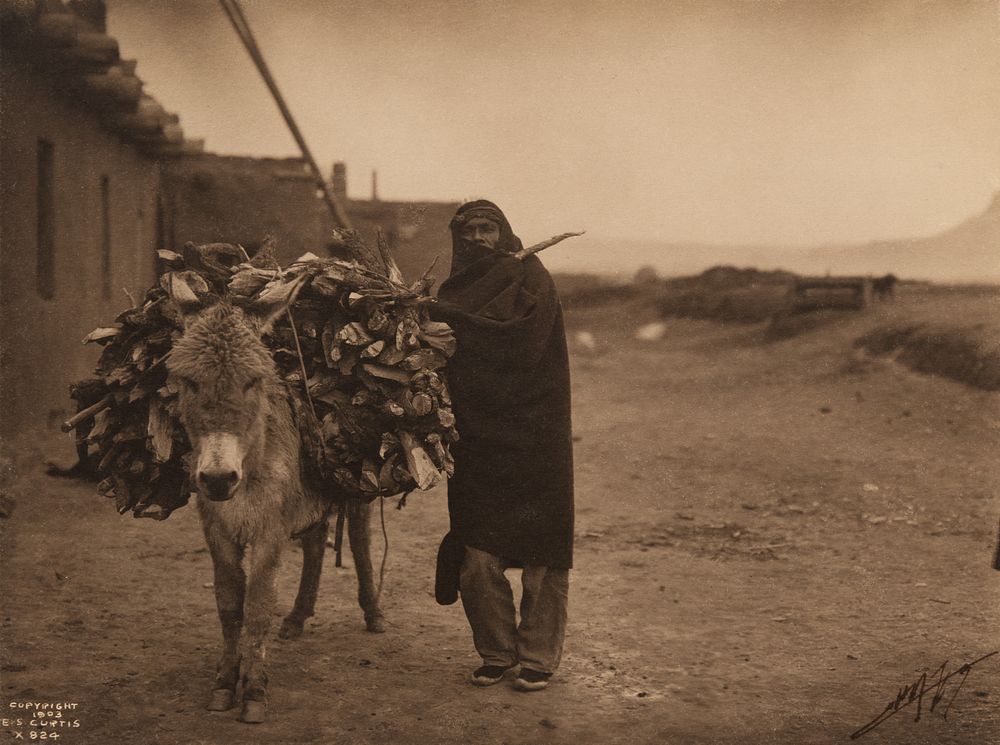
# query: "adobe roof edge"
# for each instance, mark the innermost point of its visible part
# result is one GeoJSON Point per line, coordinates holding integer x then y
{"type": "Point", "coordinates": [83, 63]}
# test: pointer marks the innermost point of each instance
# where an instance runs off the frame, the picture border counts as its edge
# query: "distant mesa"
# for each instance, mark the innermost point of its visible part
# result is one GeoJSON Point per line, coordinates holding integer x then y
{"type": "Point", "coordinates": [968, 252]}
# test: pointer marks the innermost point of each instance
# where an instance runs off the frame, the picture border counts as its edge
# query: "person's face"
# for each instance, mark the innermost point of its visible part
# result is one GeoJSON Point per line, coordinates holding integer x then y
{"type": "Point", "coordinates": [480, 232]}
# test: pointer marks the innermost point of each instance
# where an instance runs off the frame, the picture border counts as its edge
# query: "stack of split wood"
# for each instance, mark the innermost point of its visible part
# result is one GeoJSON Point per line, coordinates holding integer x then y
{"type": "Point", "coordinates": [363, 362]}
{"type": "Point", "coordinates": [128, 412]}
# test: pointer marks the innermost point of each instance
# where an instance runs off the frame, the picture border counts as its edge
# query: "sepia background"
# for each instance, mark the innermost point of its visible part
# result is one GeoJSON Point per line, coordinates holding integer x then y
{"type": "Point", "coordinates": [786, 479]}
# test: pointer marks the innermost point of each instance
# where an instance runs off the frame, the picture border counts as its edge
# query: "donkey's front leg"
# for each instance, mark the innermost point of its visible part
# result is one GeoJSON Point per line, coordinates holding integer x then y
{"type": "Point", "coordinates": [261, 598]}
{"type": "Point", "coordinates": [359, 534]}
{"type": "Point", "coordinates": [230, 585]}
{"type": "Point", "coordinates": [313, 548]}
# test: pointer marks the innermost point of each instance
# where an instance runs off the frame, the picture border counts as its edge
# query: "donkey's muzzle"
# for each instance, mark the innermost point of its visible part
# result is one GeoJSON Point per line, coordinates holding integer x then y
{"type": "Point", "coordinates": [218, 485]}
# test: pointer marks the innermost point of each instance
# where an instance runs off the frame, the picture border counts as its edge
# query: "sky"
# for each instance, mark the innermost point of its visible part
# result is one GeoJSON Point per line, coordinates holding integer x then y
{"type": "Point", "coordinates": [801, 123]}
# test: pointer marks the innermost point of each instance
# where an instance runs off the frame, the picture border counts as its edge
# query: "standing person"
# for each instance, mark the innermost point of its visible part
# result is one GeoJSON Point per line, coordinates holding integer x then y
{"type": "Point", "coordinates": [511, 498]}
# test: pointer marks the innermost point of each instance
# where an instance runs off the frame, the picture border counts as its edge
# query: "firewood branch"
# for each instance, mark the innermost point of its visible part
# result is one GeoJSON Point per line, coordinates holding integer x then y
{"type": "Point", "coordinates": [522, 254]}
{"type": "Point", "coordinates": [85, 414]}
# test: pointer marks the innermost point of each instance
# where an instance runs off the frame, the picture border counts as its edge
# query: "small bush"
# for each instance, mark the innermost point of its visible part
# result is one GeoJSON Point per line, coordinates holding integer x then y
{"type": "Point", "coordinates": [587, 297]}
{"type": "Point", "coordinates": [886, 339]}
{"type": "Point", "coordinates": [646, 275]}
{"type": "Point", "coordinates": [738, 305]}
{"type": "Point", "coordinates": [961, 353]}
{"type": "Point", "coordinates": [790, 323]}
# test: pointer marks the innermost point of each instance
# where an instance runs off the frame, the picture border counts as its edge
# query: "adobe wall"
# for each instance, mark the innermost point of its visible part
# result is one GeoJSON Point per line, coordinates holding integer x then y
{"type": "Point", "coordinates": [40, 338]}
{"type": "Point", "coordinates": [214, 198]}
{"type": "Point", "coordinates": [225, 199]}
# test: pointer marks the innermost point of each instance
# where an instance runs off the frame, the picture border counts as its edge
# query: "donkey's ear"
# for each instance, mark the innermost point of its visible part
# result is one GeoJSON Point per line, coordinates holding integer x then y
{"type": "Point", "coordinates": [180, 292]}
{"type": "Point", "coordinates": [273, 302]}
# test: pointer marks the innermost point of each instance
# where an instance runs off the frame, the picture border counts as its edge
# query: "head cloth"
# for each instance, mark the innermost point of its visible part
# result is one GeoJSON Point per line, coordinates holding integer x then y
{"type": "Point", "coordinates": [464, 253]}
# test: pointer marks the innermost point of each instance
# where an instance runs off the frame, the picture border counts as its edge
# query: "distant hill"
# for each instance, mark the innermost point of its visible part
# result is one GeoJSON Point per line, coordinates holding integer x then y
{"type": "Point", "coordinates": [621, 259]}
{"type": "Point", "coordinates": [968, 252]}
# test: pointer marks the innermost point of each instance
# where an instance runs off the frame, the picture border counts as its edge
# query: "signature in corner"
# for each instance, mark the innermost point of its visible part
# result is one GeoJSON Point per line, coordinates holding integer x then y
{"type": "Point", "coordinates": [934, 684]}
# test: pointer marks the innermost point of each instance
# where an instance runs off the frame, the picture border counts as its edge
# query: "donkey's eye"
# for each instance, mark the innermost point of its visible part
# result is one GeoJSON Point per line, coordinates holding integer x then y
{"type": "Point", "coordinates": [189, 384]}
{"type": "Point", "coordinates": [250, 385]}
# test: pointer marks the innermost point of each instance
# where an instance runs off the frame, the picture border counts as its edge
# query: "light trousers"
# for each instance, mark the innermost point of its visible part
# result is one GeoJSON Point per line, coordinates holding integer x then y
{"type": "Point", "coordinates": [537, 641]}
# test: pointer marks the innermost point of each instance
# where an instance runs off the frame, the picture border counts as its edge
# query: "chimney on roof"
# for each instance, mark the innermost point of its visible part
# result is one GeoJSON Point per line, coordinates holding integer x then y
{"type": "Point", "coordinates": [338, 179]}
{"type": "Point", "coordinates": [374, 185]}
{"type": "Point", "coordinates": [93, 12]}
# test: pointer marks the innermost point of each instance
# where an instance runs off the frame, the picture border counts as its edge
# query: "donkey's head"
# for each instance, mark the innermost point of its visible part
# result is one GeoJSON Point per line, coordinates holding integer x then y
{"type": "Point", "coordinates": [224, 374]}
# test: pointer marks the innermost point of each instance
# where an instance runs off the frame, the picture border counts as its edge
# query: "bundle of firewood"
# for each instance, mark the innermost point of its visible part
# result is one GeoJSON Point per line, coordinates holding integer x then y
{"type": "Point", "coordinates": [128, 412]}
{"type": "Point", "coordinates": [363, 363]}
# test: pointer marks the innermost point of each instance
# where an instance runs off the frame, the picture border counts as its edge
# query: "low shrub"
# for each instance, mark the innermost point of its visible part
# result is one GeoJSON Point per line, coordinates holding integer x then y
{"type": "Point", "coordinates": [962, 353]}
{"type": "Point", "coordinates": [738, 305]}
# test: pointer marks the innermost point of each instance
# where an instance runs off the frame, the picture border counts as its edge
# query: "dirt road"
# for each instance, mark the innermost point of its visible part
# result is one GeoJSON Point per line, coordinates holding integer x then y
{"type": "Point", "coordinates": [772, 540]}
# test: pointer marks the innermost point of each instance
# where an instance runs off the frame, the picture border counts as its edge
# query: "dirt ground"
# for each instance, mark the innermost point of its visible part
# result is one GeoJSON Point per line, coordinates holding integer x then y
{"type": "Point", "coordinates": [772, 540]}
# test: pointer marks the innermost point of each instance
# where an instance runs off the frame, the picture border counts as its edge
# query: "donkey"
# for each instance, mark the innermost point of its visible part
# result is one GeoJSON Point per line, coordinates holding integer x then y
{"type": "Point", "coordinates": [252, 494]}
{"type": "Point", "coordinates": [884, 287]}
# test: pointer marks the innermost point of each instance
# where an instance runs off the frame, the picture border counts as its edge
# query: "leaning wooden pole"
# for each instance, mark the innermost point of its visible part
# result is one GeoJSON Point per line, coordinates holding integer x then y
{"type": "Point", "coordinates": [239, 21]}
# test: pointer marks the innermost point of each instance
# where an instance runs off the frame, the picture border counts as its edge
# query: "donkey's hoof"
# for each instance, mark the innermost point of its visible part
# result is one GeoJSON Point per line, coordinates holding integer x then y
{"type": "Point", "coordinates": [254, 712]}
{"type": "Point", "coordinates": [290, 629]}
{"type": "Point", "coordinates": [222, 700]}
{"type": "Point", "coordinates": [375, 624]}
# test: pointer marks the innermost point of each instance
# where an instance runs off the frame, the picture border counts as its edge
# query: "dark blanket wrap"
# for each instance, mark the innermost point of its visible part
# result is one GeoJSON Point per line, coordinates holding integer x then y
{"type": "Point", "coordinates": [512, 492]}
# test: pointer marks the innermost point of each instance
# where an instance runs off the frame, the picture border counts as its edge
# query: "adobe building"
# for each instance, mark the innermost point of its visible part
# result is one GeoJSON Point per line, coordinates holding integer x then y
{"type": "Point", "coordinates": [417, 232]}
{"type": "Point", "coordinates": [80, 198]}
{"type": "Point", "coordinates": [95, 176]}
{"type": "Point", "coordinates": [213, 198]}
